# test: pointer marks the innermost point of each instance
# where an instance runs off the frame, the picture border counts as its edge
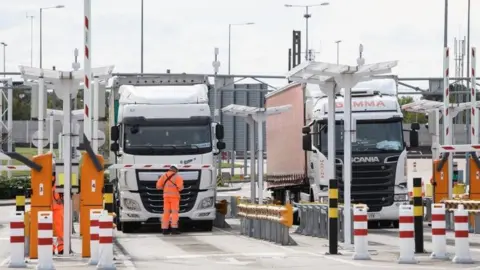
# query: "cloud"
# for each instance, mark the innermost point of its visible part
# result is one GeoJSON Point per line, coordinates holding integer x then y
{"type": "Point", "coordinates": [181, 35]}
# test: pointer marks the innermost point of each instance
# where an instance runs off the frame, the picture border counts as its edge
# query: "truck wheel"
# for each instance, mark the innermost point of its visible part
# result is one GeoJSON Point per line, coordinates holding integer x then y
{"type": "Point", "coordinates": [129, 227]}
{"type": "Point", "coordinates": [204, 226]}
{"type": "Point", "coordinates": [117, 221]}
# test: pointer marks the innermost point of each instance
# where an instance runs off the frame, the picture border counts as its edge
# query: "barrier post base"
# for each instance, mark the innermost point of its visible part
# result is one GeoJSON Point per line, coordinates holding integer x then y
{"type": "Point", "coordinates": [17, 265]}
{"type": "Point", "coordinates": [439, 256]}
{"type": "Point", "coordinates": [361, 256]}
{"type": "Point", "coordinates": [407, 261]}
{"type": "Point", "coordinates": [464, 260]}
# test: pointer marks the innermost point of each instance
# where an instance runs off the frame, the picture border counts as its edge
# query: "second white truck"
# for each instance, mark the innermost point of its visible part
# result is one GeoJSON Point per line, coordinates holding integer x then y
{"type": "Point", "coordinates": [379, 155]}
{"type": "Point", "coordinates": [159, 122]}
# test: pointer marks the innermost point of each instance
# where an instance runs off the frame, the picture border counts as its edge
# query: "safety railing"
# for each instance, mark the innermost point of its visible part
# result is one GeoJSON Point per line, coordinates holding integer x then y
{"type": "Point", "coordinates": [266, 222]}
{"type": "Point", "coordinates": [314, 220]}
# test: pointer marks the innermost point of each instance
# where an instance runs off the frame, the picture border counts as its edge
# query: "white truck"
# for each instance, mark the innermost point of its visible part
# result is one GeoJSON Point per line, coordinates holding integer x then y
{"type": "Point", "coordinates": [379, 155]}
{"type": "Point", "coordinates": [158, 122]}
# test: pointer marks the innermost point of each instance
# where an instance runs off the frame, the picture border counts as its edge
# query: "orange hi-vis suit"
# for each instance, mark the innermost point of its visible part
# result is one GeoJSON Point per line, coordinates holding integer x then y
{"type": "Point", "coordinates": [57, 208]}
{"type": "Point", "coordinates": [171, 183]}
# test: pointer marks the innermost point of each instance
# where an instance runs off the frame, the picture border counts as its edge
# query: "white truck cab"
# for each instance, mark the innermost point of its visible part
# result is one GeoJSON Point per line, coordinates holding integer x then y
{"type": "Point", "coordinates": [158, 125]}
{"type": "Point", "coordinates": [379, 155]}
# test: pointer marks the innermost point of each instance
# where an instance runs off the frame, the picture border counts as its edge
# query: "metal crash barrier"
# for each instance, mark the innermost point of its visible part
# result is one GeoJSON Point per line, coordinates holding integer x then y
{"type": "Point", "coordinates": [222, 209]}
{"type": "Point", "coordinates": [267, 222]}
{"type": "Point", "coordinates": [314, 220]}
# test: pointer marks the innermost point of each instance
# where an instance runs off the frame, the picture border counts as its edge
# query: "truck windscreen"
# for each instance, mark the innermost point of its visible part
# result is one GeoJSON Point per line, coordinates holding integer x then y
{"type": "Point", "coordinates": [372, 136]}
{"type": "Point", "coordinates": [150, 139]}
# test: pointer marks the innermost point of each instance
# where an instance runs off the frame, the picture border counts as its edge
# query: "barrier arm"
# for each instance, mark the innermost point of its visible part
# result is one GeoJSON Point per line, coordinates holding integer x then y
{"type": "Point", "coordinates": [88, 148]}
{"type": "Point", "coordinates": [29, 164]}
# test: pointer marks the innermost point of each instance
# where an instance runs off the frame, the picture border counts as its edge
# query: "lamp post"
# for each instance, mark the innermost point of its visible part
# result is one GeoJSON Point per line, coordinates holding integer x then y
{"type": "Point", "coordinates": [307, 16]}
{"type": "Point", "coordinates": [338, 51]}
{"type": "Point", "coordinates": [31, 17]}
{"type": "Point", "coordinates": [141, 38]}
{"type": "Point", "coordinates": [41, 11]}
{"type": "Point", "coordinates": [230, 39]}
{"type": "Point", "coordinates": [4, 46]}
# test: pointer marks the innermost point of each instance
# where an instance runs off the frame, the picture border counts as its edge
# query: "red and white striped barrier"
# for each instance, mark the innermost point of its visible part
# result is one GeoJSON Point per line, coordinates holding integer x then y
{"type": "Point", "coordinates": [462, 246]}
{"type": "Point", "coordinates": [14, 168]}
{"type": "Point", "coordinates": [360, 232]}
{"type": "Point", "coordinates": [439, 239]}
{"type": "Point", "coordinates": [94, 235]}
{"type": "Point", "coordinates": [406, 234]}
{"type": "Point", "coordinates": [17, 241]}
{"type": "Point", "coordinates": [460, 148]}
{"type": "Point", "coordinates": [105, 260]}
{"type": "Point", "coordinates": [45, 240]}
{"type": "Point", "coordinates": [161, 166]}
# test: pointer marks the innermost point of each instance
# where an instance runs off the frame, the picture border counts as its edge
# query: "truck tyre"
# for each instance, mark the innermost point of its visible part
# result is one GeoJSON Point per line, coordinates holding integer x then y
{"type": "Point", "coordinates": [129, 227]}
{"type": "Point", "coordinates": [116, 209]}
{"type": "Point", "coordinates": [204, 225]}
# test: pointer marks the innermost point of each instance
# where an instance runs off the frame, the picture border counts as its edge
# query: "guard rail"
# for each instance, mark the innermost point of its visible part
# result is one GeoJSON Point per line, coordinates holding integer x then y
{"type": "Point", "coordinates": [266, 222]}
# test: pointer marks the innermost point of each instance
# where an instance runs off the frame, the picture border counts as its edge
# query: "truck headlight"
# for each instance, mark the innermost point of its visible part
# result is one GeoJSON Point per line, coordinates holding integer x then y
{"type": "Point", "coordinates": [206, 203]}
{"type": "Point", "coordinates": [131, 204]}
{"type": "Point", "coordinates": [400, 197]}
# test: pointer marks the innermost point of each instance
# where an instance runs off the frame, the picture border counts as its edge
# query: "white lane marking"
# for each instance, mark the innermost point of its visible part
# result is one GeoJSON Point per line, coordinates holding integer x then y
{"type": "Point", "coordinates": [339, 259]}
{"type": "Point", "coordinates": [233, 261]}
{"type": "Point", "coordinates": [5, 262]}
{"type": "Point", "coordinates": [196, 256]}
{"type": "Point", "coordinates": [126, 260]}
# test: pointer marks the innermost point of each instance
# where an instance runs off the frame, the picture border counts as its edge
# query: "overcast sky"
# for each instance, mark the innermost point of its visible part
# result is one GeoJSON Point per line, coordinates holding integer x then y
{"type": "Point", "coordinates": [181, 35]}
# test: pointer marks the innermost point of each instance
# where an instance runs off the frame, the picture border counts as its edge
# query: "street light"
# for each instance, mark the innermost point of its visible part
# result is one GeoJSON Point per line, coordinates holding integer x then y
{"type": "Point", "coordinates": [141, 38]}
{"type": "Point", "coordinates": [4, 45]}
{"type": "Point", "coordinates": [41, 9]}
{"type": "Point", "coordinates": [338, 50]}
{"type": "Point", "coordinates": [31, 17]}
{"type": "Point", "coordinates": [307, 16]}
{"type": "Point", "coordinates": [230, 39]}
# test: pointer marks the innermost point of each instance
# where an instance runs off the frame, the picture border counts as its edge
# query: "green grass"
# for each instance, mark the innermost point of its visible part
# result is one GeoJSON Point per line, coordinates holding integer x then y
{"type": "Point", "coordinates": [29, 153]}
{"type": "Point", "coordinates": [228, 165]}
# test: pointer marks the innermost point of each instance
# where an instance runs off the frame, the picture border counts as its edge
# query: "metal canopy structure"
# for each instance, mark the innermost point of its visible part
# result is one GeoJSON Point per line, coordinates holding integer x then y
{"type": "Point", "coordinates": [252, 115]}
{"type": "Point", "coordinates": [65, 85]}
{"type": "Point", "coordinates": [336, 77]}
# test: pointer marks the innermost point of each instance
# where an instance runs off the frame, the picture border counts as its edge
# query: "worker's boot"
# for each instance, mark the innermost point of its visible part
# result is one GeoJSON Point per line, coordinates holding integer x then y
{"type": "Point", "coordinates": [175, 231]}
{"type": "Point", "coordinates": [165, 232]}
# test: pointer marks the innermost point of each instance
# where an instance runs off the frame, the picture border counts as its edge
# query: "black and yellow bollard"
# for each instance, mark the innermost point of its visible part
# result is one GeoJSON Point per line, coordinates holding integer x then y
{"type": "Point", "coordinates": [418, 214]}
{"type": "Point", "coordinates": [108, 198]}
{"type": "Point", "coordinates": [333, 217]}
{"type": "Point", "coordinates": [108, 202]}
{"type": "Point", "coordinates": [20, 199]}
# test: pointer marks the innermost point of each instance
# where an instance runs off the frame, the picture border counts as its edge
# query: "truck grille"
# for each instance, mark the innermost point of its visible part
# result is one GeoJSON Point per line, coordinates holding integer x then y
{"type": "Point", "coordinates": [372, 184]}
{"type": "Point", "coordinates": [152, 198]}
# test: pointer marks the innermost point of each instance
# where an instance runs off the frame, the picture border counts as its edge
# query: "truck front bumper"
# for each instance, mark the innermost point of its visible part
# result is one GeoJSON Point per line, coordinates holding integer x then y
{"type": "Point", "coordinates": [387, 213]}
{"type": "Point", "coordinates": [136, 212]}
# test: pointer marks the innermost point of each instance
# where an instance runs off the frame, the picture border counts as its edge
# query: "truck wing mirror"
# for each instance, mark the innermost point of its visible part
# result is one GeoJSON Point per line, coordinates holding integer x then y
{"type": "Point", "coordinates": [114, 133]}
{"type": "Point", "coordinates": [415, 126]}
{"type": "Point", "coordinates": [219, 132]}
{"type": "Point", "coordinates": [307, 142]}
{"type": "Point", "coordinates": [114, 147]}
{"type": "Point", "coordinates": [221, 145]}
{"type": "Point", "coordinates": [413, 138]}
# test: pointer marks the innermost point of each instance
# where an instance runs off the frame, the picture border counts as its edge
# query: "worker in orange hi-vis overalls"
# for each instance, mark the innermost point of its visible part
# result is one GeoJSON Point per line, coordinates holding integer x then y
{"type": "Point", "coordinates": [57, 208]}
{"type": "Point", "coordinates": [172, 184]}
